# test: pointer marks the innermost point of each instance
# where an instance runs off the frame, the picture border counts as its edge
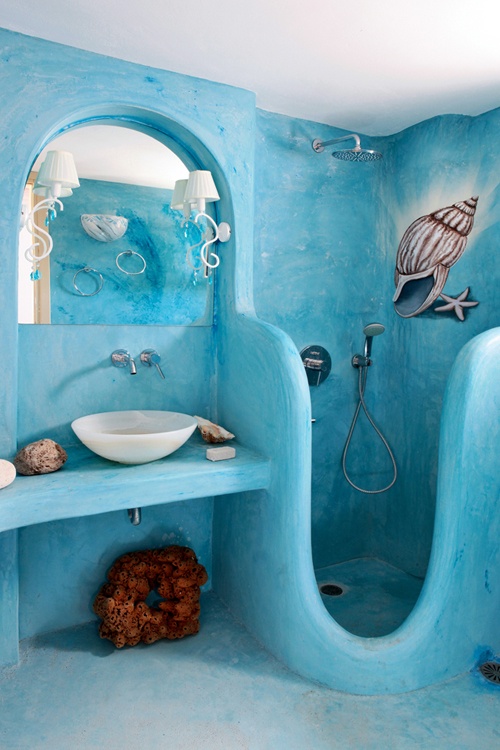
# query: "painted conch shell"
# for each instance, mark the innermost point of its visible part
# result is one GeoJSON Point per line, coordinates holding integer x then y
{"type": "Point", "coordinates": [213, 433]}
{"type": "Point", "coordinates": [429, 248]}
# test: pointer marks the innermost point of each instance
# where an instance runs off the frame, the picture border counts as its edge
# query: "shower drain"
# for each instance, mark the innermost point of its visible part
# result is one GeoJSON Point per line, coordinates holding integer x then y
{"type": "Point", "coordinates": [331, 589]}
{"type": "Point", "coordinates": [491, 671]}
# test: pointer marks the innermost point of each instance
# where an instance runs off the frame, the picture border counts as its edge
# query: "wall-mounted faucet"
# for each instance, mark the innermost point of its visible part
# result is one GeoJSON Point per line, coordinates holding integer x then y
{"type": "Point", "coordinates": [150, 358]}
{"type": "Point", "coordinates": [122, 358]}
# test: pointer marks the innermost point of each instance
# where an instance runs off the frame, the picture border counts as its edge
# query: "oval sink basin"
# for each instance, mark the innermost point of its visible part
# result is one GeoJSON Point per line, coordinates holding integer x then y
{"type": "Point", "coordinates": [134, 437]}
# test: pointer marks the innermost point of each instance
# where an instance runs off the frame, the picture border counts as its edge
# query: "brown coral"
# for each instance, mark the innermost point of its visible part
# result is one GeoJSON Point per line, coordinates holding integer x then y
{"type": "Point", "coordinates": [174, 573]}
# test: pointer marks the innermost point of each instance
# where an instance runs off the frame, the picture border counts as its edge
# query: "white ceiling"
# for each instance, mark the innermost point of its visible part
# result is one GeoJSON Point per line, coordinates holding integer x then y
{"type": "Point", "coordinates": [374, 66]}
{"type": "Point", "coordinates": [117, 154]}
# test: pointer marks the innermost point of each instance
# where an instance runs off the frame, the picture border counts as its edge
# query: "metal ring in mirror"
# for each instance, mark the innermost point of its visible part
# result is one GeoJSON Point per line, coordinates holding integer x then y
{"type": "Point", "coordinates": [131, 273]}
{"type": "Point", "coordinates": [100, 281]}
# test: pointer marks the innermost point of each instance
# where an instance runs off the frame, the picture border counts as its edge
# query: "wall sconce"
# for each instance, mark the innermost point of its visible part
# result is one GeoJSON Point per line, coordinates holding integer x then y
{"type": "Point", "coordinates": [56, 179]}
{"type": "Point", "coordinates": [193, 194]}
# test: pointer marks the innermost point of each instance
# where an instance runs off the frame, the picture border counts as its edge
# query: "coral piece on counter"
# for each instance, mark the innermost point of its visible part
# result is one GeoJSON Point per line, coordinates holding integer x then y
{"type": "Point", "coordinates": [7, 473]}
{"type": "Point", "coordinates": [174, 573]}
{"type": "Point", "coordinates": [213, 433]}
{"type": "Point", "coordinates": [42, 457]}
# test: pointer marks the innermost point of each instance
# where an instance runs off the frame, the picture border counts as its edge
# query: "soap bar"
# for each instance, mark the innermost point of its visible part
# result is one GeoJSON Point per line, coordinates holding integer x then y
{"type": "Point", "coordinates": [219, 454]}
{"type": "Point", "coordinates": [7, 473]}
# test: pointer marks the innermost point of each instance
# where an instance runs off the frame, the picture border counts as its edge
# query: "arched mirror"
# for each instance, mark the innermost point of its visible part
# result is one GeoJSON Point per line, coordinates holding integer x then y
{"type": "Point", "coordinates": [119, 250]}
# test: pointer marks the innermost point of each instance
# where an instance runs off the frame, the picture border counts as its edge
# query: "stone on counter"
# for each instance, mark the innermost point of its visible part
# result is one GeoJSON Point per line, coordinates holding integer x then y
{"type": "Point", "coordinates": [7, 473]}
{"type": "Point", "coordinates": [42, 457]}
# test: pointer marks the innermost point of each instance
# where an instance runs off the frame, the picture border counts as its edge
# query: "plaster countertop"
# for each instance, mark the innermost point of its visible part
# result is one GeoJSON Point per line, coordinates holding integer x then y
{"type": "Point", "coordinates": [88, 484]}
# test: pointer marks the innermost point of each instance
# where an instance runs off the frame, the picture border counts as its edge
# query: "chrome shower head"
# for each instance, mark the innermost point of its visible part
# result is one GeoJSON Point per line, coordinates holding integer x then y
{"type": "Point", "coordinates": [371, 330]}
{"type": "Point", "coordinates": [350, 154]}
{"type": "Point", "coordinates": [361, 154]}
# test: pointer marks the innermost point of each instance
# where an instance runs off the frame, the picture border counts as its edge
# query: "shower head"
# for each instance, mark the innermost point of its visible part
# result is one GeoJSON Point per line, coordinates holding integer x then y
{"type": "Point", "coordinates": [371, 330]}
{"type": "Point", "coordinates": [348, 154]}
{"type": "Point", "coordinates": [361, 154]}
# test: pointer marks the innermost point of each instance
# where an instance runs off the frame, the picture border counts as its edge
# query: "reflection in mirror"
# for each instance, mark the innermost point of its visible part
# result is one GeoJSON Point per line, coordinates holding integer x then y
{"type": "Point", "coordinates": [119, 254]}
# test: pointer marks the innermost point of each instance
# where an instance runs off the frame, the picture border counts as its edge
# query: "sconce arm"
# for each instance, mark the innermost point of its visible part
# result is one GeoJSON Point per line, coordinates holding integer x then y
{"type": "Point", "coordinates": [41, 238]}
{"type": "Point", "coordinates": [204, 248]}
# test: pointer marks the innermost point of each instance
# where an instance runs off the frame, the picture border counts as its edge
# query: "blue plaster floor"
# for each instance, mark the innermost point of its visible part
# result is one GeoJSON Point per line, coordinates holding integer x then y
{"type": "Point", "coordinates": [377, 596]}
{"type": "Point", "coordinates": [219, 690]}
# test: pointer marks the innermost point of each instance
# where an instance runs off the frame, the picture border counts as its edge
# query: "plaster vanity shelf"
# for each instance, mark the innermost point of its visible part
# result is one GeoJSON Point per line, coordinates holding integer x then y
{"type": "Point", "coordinates": [88, 484]}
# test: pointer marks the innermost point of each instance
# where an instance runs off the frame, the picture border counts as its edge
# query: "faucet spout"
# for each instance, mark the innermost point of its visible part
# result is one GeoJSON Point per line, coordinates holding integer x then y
{"type": "Point", "coordinates": [122, 358]}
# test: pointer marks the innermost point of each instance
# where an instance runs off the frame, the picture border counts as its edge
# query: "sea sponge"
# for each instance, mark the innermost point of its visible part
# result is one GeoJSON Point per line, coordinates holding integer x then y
{"type": "Point", "coordinates": [174, 573]}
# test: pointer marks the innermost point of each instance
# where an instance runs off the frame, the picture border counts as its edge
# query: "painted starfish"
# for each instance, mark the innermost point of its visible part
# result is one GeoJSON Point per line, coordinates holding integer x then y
{"type": "Point", "coordinates": [456, 304]}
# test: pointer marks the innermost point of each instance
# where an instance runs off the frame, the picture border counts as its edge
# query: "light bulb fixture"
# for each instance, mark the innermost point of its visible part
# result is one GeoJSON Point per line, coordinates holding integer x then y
{"type": "Point", "coordinates": [194, 194]}
{"type": "Point", "coordinates": [56, 179]}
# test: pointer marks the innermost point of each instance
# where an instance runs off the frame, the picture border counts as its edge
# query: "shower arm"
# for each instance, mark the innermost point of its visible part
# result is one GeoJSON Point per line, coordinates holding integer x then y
{"type": "Point", "coordinates": [319, 145]}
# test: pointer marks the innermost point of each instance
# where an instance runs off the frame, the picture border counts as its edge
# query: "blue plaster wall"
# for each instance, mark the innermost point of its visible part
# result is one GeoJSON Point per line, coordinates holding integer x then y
{"type": "Point", "coordinates": [74, 375]}
{"type": "Point", "coordinates": [163, 295]}
{"type": "Point", "coordinates": [327, 233]}
{"type": "Point", "coordinates": [436, 163]}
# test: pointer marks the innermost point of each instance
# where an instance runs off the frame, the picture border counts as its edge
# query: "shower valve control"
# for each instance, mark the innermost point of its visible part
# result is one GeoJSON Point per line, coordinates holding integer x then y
{"type": "Point", "coordinates": [317, 363]}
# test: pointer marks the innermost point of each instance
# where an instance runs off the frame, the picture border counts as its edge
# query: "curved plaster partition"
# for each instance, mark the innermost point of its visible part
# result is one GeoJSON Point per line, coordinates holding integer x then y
{"type": "Point", "coordinates": [453, 625]}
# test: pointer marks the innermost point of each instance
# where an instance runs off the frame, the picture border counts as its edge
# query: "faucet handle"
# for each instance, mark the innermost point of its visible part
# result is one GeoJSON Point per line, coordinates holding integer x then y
{"type": "Point", "coordinates": [150, 358]}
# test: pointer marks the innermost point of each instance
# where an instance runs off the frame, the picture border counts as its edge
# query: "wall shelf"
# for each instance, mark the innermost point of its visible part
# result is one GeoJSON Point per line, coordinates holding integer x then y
{"type": "Point", "coordinates": [88, 484]}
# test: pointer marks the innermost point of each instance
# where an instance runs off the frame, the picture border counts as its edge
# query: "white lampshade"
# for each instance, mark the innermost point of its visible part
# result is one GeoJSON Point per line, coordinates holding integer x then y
{"type": "Point", "coordinates": [200, 189]}
{"type": "Point", "coordinates": [177, 202]}
{"type": "Point", "coordinates": [45, 192]}
{"type": "Point", "coordinates": [58, 171]}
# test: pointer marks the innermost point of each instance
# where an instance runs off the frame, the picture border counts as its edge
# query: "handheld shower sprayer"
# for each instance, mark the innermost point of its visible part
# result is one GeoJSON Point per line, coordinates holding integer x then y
{"type": "Point", "coordinates": [370, 330]}
{"type": "Point", "coordinates": [362, 362]}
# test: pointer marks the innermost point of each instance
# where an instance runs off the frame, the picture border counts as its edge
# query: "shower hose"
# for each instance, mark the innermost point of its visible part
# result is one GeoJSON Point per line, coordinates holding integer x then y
{"type": "Point", "coordinates": [362, 376]}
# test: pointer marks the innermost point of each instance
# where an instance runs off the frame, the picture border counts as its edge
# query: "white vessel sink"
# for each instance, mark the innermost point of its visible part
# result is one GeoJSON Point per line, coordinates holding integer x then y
{"type": "Point", "coordinates": [134, 437]}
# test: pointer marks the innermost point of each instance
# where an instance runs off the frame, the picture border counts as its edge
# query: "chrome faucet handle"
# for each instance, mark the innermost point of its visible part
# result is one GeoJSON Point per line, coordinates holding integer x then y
{"type": "Point", "coordinates": [150, 358]}
{"type": "Point", "coordinates": [317, 363]}
{"type": "Point", "coordinates": [122, 358]}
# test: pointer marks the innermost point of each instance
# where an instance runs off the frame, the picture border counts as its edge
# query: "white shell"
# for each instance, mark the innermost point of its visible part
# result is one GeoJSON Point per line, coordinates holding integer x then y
{"type": "Point", "coordinates": [7, 473]}
{"type": "Point", "coordinates": [104, 227]}
{"type": "Point", "coordinates": [212, 433]}
{"type": "Point", "coordinates": [428, 249]}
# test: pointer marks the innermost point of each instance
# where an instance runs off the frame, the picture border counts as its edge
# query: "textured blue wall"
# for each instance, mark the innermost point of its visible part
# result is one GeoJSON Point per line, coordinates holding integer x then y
{"type": "Point", "coordinates": [163, 295]}
{"type": "Point", "coordinates": [327, 233]}
{"type": "Point", "coordinates": [74, 374]}
{"type": "Point", "coordinates": [429, 166]}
